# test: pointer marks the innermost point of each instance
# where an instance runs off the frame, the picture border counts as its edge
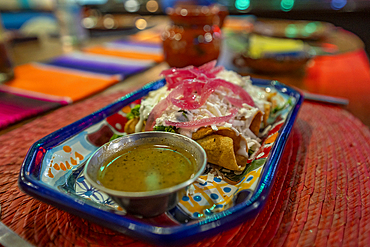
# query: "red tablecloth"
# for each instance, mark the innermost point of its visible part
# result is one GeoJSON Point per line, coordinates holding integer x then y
{"type": "Point", "coordinates": [320, 196]}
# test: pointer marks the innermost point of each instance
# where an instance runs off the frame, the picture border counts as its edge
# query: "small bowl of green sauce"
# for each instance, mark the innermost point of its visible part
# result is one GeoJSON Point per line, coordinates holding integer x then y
{"type": "Point", "coordinates": [146, 173]}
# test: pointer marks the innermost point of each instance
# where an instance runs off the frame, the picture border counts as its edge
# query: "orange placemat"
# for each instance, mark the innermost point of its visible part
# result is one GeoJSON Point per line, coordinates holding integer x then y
{"type": "Point", "coordinates": [125, 52]}
{"type": "Point", "coordinates": [58, 83]}
{"type": "Point", "coordinates": [320, 196]}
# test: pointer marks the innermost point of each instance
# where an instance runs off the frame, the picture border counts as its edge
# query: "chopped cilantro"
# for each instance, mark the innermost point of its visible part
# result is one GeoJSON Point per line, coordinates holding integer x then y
{"type": "Point", "coordinates": [184, 113]}
{"type": "Point", "coordinates": [115, 136]}
{"type": "Point", "coordinates": [165, 128]}
{"type": "Point", "coordinates": [135, 112]}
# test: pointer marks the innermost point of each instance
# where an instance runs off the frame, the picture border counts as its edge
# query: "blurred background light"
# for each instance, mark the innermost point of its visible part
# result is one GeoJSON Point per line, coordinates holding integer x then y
{"type": "Point", "coordinates": [242, 4]}
{"type": "Point", "coordinates": [88, 22]}
{"type": "Point", "coordinates": [152, 6]}
{"type": "Point", "coordinates": [338, 4]}
{"type": "Point", "coordinates": [132, 5]}
{"type": "Point", "coordinates": [309, 28]}
{"type": "Point", "coordinates": [291, 31]}
{"type": "Point", "coordinates": [286, 5]}
{"type": "Point", "coordinates": [108, 22]}
{"type": "Point", "coordinates": [141, 24]}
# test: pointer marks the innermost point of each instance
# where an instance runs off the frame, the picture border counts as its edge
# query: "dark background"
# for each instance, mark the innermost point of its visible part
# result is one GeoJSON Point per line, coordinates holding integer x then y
{"type": "Point", "coordinates": [352, 15]}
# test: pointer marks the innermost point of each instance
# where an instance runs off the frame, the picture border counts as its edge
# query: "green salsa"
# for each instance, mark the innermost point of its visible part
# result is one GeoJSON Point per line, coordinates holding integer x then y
{"type": "Point", "coordinates": [146, 168]}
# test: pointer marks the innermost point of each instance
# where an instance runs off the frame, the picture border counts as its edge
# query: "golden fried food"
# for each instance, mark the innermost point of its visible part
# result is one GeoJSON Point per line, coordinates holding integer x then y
{"type": "Point", "coordinates": [220, 151]}
{"type": "Point", "coordinates": [131, 124]}
{"type": "Point", "coordinates": [256, 123]}
{"type": "Point", "coordinates": [230, 146]}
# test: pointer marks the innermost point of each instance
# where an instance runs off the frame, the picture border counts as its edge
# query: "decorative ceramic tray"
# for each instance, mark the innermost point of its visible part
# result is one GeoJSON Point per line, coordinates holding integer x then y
{"type": "Point", "coordinates": [52, 172]}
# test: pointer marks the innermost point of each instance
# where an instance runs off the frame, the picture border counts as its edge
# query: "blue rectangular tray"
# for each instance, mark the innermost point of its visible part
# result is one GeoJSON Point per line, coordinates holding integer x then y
{"type": "Point", "coordinates": [61, 190]}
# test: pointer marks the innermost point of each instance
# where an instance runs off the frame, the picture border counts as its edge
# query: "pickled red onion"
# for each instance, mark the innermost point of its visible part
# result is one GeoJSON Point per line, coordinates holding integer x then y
{"type": "Point", "coordinates": [208, 66]}
{"type": "Point", "coordinates": [192, 89]}
{"type": "Point", "coordinates": [194, 86]}
{"type": "Point", "coordinates": [210, 69]}
{"type": "Point", "coordinates": [246, 98]}
{"type": "Point", "coordinates": [185, 105]}
{"type": "Point", "coordinates": [174, 76]}
{"type": "Point", "coordinates": [235, 102]}
{"type": "Point", "coordinates": [174, 80]}
{"type": "Point", "coordinates": [162, 105]}
{"type": "Point", "coordinates": [204, 88]}
{"type": "Point", "coordinates": [203, 122]}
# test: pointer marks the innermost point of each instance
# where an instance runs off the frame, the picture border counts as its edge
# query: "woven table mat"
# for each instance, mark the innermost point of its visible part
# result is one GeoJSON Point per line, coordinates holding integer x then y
{"type": "Point", "coordinates": [320, 196]}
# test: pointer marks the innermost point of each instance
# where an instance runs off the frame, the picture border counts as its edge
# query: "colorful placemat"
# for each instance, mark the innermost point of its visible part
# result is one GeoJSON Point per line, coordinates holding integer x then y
{"type": "Point", "coordinates": [39, 87]}
{"type": "Point", "coordinates": [320, 196]}
{"type": "Point", "coordinates": [144, 49]}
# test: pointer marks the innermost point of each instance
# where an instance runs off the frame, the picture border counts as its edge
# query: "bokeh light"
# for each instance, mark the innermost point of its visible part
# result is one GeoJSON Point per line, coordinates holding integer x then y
{"type": "Point", "coordinates": [109, 22]}
{"type": "Point", "coordinates": [132, 5]}
{"type": "Point", "coordinates": [291, 31]}
{"type": "Point", "coordinates": [242, 5]}
{"type": "Point", "coordinates": [88, 22]}
{"type": "Point", "coordinates": [141, 24]}
{"type": "Point", "coordinates": [309, 28]}
{"type": "Point", "coordinates": [287, 5]}
{"type": "Point", "coordinates": [152, 6]}
{"type": "Point", "coordinates": [338, 4]}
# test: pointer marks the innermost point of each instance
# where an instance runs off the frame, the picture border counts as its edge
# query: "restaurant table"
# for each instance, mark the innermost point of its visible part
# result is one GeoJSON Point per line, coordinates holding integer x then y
{"type": "Point", "coordinates": [321, 194]}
